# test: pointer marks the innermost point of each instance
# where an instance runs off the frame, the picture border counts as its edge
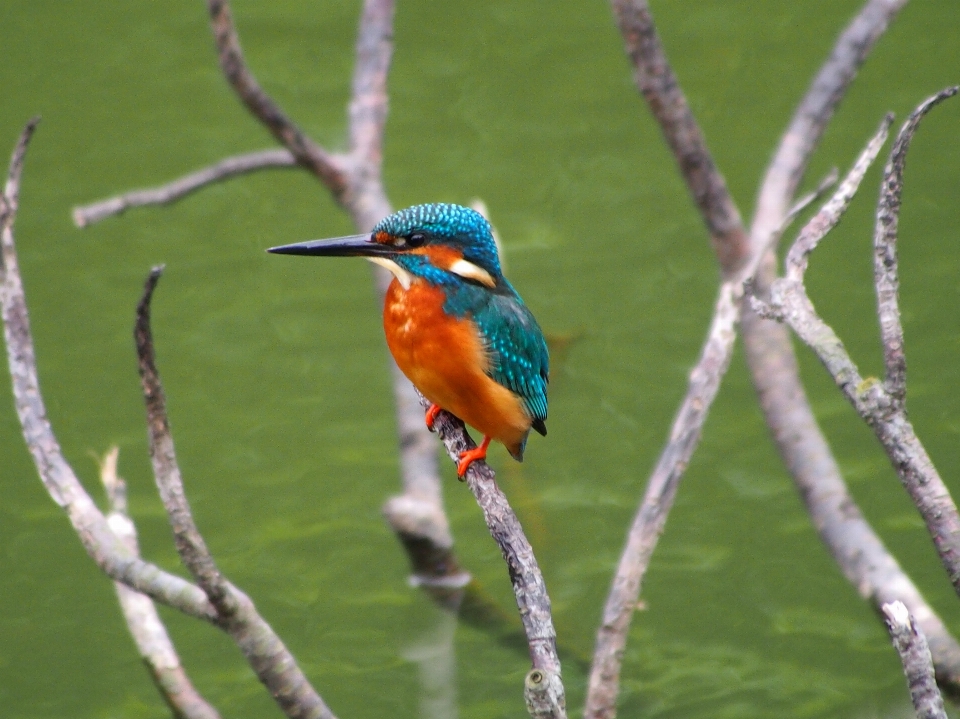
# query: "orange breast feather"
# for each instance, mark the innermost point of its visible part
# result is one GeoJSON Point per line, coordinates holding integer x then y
{"type": "Point", "coordinates": [445, 359]}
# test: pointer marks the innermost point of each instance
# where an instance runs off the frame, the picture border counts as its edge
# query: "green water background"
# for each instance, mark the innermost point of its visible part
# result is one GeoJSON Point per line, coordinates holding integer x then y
{"type": "Point", "coordinates": [274, 368]}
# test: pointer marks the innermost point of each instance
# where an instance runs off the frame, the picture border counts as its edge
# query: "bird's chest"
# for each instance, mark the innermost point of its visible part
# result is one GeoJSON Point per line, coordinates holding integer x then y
{"type": "Point", "coordinates": [429, 345]}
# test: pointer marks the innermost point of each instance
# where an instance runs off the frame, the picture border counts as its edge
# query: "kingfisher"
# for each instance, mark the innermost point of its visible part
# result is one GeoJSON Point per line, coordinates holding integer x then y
{"type": "Point", "coordinates": [455, 326]}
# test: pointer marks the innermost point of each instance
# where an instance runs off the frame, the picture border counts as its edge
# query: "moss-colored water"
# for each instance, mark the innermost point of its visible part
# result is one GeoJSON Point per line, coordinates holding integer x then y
{"type": "Point", "coordinates": [274, 368]}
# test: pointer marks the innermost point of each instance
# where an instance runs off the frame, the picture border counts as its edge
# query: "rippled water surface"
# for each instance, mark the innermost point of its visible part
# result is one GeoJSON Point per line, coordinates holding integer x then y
{"type": "Point", "coordinates": [275, 368]}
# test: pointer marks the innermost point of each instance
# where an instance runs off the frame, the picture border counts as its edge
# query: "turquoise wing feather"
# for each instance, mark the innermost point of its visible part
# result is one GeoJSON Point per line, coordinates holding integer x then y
{"type": "Point", "coordinates": [519, 359]}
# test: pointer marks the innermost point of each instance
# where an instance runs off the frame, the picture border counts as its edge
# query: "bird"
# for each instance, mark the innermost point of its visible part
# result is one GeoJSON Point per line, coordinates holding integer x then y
{"type": "Point", "coordinates": [454, 324]}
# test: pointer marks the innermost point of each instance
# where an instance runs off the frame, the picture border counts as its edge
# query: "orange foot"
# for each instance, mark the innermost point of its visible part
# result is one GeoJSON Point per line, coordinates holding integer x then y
{"type": "Point", "coordinates": [472, 455]}
{"type": "Point", "coordinates": [431, 416]}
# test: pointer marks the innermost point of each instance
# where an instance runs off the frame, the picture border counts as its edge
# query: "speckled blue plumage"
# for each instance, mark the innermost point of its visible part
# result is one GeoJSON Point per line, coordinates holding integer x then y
{"type": "Point", "coordinates": [519, 359]}
{"type": "Point", "coordinates": [453, 225]}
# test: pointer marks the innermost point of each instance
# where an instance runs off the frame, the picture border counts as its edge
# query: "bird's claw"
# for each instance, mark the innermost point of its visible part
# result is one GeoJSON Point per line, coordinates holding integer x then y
{"type": "Point", "coordinates": [431, 415]}
{"type": "Point", "coordinates": [470, 456]}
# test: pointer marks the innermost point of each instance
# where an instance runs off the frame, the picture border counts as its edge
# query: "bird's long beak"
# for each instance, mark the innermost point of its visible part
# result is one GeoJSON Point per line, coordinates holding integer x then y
{"type": "Point", "coordinates": [352, 246]}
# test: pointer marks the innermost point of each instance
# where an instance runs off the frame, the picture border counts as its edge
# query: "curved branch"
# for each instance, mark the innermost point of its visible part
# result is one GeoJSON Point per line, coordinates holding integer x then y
{"type": "Point", "coordinates": [84, 215]}
{"type": "Point", "coordinates": [814, 112]}
{"type": "Point", "coordinates": [190, 545]}
{"type": "Point", "coordinates": [326, 166]}
{"type": "Point", "coordinates": [885, 252]}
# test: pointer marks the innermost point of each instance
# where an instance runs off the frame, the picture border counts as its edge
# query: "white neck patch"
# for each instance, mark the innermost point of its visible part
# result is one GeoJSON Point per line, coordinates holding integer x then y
{"type": "Point", "coordinates": [472, 272]}
{"type": "Point", "coordinates": [403, 277]}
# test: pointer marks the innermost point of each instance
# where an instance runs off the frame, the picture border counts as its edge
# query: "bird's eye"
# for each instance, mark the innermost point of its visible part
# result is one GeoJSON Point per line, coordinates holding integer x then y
{"type": "Point", "coordinates": [417, 239]}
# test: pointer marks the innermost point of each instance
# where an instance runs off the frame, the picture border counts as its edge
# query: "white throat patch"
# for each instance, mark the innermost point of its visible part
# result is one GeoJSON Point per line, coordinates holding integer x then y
{"type": "Point", "coordinates": [403, 277]}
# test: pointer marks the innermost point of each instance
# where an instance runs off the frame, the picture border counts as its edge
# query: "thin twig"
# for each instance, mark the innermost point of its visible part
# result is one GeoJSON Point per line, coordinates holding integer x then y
{"type": "Point", "coordinates": [57, 476]}
{"type": "Point", "coordinates": [914, 653]}
{"type": "Point", "coordinates": [829, 215]}
{"type": "Point", "coordinates": [885, 252]}
{"type": "Point", "coordinates": [829, 180]}
{"type": "Point", "coordinates": [141, 615]}
{"type": "Point", "coordinates": [84, 215]}
{"type": "Point", "coordinates": [543, 688]}
{"type": "Point", "coordinates": [190, 545]}
{"type": "Point", "coordinates": [651, 517]}
{"type": "Point", "coordinates": [329, 168]}
{"type": "Point", "coordinates": [236, 614]}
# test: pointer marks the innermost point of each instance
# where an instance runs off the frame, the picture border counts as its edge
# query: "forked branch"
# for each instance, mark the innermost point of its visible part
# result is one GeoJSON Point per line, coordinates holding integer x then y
{"type": "Point", "coordinates": [880, 408]}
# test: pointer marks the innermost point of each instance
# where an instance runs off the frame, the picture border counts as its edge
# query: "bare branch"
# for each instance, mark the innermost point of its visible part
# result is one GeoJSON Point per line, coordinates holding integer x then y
{"type": "Point", "coordinates": [328, 167]}
{"type": "Point", "coordinates": [57, 476]}
{"type": "Point", "coordinates": [660, 89]}
{"type": "Point", "coordinates": [144, 623]}
{"type": "Point", "coordinates": [84, 215]}
{"type": "Point", "coordinates": [659, 86]}
{"type": "Point", "coordinates": [773, 363]}
{"type": "Point", "coordinates": [543, 688]}
{"type": "Point", "coordinates": [914, 653]}
{"type": "Point", "coordinates": [236, 614]}
{"type": "Point", "coordinates": [885, 252]}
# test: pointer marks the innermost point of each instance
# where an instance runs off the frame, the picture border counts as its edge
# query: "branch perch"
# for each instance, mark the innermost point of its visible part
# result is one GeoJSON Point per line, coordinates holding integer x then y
{"type": "Point", "coordinates": [543, 688]}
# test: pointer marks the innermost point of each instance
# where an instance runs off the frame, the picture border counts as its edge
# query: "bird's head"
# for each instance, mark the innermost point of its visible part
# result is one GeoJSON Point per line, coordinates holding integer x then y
{"type": "Point", "coordinates": [436, 242]}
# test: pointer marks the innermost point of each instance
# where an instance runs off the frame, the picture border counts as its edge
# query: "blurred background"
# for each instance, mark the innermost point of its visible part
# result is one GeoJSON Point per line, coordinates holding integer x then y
{"type": "Point", "coordinates": [275, 369]}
